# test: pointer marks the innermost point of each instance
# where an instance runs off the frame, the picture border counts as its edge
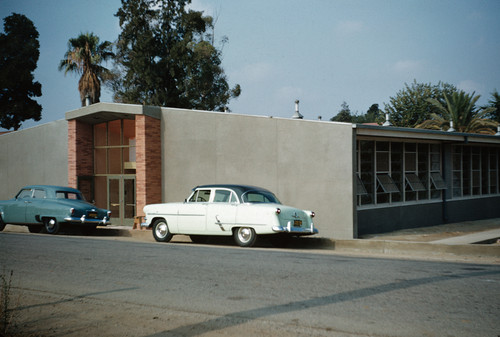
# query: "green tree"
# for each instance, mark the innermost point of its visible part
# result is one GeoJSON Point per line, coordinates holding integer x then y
{"type": "Point", "coordinates": [84, 56]}
{"type": "Point", "coordinates": [460, 108]}
{"type": "Point", "coordinates": [344, 114]}
{"type": "Point", "coordinates": [494, 102]}
{"type": "Point", "coordinates": [372, 115]}
{"type": "Point", "coordinates": [411, 105]}
{"type": "Point", "coordinates": [166, 57]}
{"type": "Point", "coordinates": [19, 52]}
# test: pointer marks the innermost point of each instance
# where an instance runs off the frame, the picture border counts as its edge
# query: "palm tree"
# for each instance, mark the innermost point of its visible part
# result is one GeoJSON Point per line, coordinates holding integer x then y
{"type": "Point", "coordinates": [495, 103]}
{"type": "Point", "coordinates": [84, 56]}
{"type": "Point", "coordinates": [462, 111]}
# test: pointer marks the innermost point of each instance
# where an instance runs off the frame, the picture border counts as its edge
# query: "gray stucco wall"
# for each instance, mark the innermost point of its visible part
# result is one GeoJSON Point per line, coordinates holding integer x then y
{"type": "Point", "coordinates": [38, 155]}
{"type": "Point", "coordinates": [308, 164]}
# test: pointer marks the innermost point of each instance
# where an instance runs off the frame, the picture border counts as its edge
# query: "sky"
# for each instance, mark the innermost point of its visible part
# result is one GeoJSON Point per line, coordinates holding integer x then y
{"type": "Point", "coordinates": [321, 52]}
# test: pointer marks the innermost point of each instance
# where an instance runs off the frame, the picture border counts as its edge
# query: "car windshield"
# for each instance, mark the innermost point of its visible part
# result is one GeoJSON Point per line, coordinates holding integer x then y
{"type": "Point", "coordinates": [69, 195]}
{"type": "Point", "coordinates": [259, 197]}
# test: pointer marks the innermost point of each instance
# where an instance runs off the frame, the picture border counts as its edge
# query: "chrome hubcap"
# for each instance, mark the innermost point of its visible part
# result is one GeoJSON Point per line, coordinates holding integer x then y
{"type": "Point", "coordinates": [244, 234]}
{"type": "Point", "coordinates": [51, 223]}
{"type": "Point", "coordinates": [162, 230]}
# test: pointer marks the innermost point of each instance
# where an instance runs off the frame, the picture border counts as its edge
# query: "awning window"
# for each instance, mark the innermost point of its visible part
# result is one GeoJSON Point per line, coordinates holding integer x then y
{"type": "Point", "coordinates": [386, 183]}
{"type": "Point", "coordinates": [437, 181]}
{"type": "Point", "coordinates": [413, 181]}
{"type": "Point", "coordinates": [361, 187]}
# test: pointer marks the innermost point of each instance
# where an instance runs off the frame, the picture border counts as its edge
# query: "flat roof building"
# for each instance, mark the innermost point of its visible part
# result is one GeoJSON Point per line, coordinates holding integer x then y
{"type": "Point", "coordinates": [359, 179]}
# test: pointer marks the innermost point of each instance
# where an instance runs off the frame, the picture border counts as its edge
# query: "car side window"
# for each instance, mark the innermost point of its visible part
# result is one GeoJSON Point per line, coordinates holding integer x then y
{"type": "Point", "coordinates": [39, 194]}
{"type": "Point", "coordinates": [24, 194]}
{"type": "Point", "coordinates": [222, 196]}
{"type": "Point", "coordinates": [203, 196]}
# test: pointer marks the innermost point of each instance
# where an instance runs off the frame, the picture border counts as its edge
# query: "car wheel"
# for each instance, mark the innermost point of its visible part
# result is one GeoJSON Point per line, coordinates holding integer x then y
{"type": "Point", "coordinates": [2, 224]}
{"type": "Point", "coordinates": [161, 232]}
{"type": "Point", "coordinates": [199, 238]}
{"type": "Point", "coordinates": [245, 236]}
{"type": "Point", "coordinates": [35, 228]}
{"type": "Point", "coordinates": [51, 225]}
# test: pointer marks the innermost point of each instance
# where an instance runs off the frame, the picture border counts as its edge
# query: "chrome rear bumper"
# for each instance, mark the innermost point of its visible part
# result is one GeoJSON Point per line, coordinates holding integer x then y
{"type": "Point", "coordinates": [85, 220]}
{"type": "Point", "coordinates": [295, 230]}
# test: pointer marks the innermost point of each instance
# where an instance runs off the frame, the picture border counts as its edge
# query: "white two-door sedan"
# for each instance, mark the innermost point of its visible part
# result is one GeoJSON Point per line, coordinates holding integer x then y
{"type": "Point", "coordinates": [240, 211]}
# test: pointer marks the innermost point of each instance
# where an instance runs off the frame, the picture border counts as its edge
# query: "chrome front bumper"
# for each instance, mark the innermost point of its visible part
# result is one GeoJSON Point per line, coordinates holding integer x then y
{"type": "Point", "coordinates": [85, 220]}
{"type": "Point", "coordinates": [295, 230]}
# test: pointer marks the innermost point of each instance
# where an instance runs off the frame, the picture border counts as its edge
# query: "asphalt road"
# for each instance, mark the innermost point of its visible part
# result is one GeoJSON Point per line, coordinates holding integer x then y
{"type": "Point", "coordinates": [78, 286]}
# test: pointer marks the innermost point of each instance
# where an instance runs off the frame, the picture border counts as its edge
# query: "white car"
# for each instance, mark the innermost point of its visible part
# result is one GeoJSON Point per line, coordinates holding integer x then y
{"type": "Point", "coordinates": [240, 211]}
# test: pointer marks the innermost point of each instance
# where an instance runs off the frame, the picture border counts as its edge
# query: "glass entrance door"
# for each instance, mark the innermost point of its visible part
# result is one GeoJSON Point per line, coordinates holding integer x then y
{"type": "Point", "coordinates": [121, 199]}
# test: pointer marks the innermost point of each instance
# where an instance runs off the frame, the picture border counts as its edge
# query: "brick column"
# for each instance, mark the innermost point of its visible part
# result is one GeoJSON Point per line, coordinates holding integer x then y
{"type": "Point", "coordinates": [148, 162]}
{"type": "Point", "coordinates": [80, 151]}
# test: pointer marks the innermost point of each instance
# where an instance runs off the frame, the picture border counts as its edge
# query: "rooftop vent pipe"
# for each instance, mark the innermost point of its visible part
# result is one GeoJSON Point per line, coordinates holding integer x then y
{"type": "Point", "coordinates": [387, 122]}
{"type": "Point", "coordinates": [451, 129]}
{"type": "Point", "coordinates": [297, 114]}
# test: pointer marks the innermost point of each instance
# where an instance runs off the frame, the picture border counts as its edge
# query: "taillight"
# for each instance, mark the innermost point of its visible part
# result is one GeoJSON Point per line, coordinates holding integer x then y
{"type": "Point", "coordinates": [71, 211]}
{"type": "Point", "coordinates": [278, 211]}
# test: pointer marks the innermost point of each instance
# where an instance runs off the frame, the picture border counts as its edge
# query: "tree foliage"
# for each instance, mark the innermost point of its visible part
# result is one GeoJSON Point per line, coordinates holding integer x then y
{"type": "Point", "coordinates": [411, 105]}
{"type": "Point", "coordinates": [19, 52]}
{"type": "Point", "coordinates": [494, 102]}
{"type": "Point", "coordinates": [84, 56]}
{"type": "Point", "coordinates": [344, 114]}
{"type": "Point", "coordinates": [372, 115]}
{"type": "Point", "coordinates": [460, 108]}
{"type": "Point", "coordinates": [166, 57]}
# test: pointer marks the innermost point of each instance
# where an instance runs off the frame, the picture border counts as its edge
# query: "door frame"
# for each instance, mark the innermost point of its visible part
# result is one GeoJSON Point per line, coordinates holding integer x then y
{"type": "Point", "coordinates": [119, 219]}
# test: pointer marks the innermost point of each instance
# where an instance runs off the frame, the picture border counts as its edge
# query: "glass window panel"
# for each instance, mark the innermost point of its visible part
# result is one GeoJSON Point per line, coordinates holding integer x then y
{"type": "Point", "coordinates": [129, 191]}
{"type": "Point", "coordinates": [386, 183]}
{"type": "Point", "coordinates": [410, 147]}
{"type": "Point", "coordinates": [114, 133]}
{"type": "Point", "coordinates": [222, 196]}
{"type": "Point", "coordinates": [115, 160]}
{"type": "Point", "coordinates": [203, 196]}
{"type": "Point", "coordinates": [382, 146]}
{"type": "Point", "coordinates": [128, 131]}
{"type": "Point", "coordinates": [414, 182]}
{"type": "Point", "coordinates": [410, 162]}
{"type": "Point", "coordinates": [100, 161]}
{"type": "Point", "coordinates": [100, 135]}
{"type": "Point", "coordinates": [101, 192]}
{"type": "Point", "coordinates": [382, 161]}
{"type": "Point", "coordinates": [435, 161]}
{"type": "Point", "coordinates": [39, 194]}
{"type": "Point", "coordinates": [437, 181]}
{"type": "Point", "coordinates": [361, 190]}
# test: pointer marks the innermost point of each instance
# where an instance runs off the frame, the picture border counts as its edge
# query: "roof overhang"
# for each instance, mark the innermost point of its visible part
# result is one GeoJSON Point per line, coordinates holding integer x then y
{"type": "Point", "coordinates": [105, 112]}
{"type": "Point", "coordinates": [422, 134]}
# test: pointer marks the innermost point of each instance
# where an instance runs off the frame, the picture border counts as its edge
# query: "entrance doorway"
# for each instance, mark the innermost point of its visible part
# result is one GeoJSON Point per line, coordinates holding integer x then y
{"type": "Point", "coordinates": [121, 199]}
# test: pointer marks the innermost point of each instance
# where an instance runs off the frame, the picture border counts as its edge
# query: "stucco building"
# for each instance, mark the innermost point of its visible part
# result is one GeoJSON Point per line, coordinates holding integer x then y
{"type": "Point", "coordinates": [358, 179]}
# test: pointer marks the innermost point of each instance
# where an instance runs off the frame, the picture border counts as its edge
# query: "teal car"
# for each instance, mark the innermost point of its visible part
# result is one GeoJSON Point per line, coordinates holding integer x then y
{"type": "Point", "coordinates": [44, 207]}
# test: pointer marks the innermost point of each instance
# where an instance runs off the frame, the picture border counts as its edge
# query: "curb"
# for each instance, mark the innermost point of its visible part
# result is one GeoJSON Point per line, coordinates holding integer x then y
{"type": "Point", "coordinates": [383, 247]}
{"type": "Point", "coordinates": [409, 248]}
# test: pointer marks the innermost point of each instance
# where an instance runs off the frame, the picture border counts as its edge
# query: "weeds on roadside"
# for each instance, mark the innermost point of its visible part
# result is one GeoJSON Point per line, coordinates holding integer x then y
{"type": "Point", "coordinates": [5, 311]}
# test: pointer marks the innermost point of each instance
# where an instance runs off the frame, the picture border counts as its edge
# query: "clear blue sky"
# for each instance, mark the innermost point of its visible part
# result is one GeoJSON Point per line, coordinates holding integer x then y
{"type": "Point", "coordinates": [322, 52]}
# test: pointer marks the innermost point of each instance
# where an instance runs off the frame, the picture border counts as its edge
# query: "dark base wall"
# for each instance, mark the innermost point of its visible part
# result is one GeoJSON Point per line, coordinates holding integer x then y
{"type": "Point", "coordinates": [382, 220]}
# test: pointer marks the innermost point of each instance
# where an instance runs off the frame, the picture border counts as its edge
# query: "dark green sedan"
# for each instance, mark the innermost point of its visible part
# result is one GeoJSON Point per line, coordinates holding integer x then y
{"type": "Point", "coordinates": [44, 207]}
